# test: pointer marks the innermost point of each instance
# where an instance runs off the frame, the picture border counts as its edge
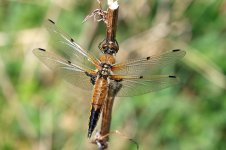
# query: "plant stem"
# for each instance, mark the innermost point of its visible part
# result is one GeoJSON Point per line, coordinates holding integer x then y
{"type": "Point", "coordinates": [114, 87]}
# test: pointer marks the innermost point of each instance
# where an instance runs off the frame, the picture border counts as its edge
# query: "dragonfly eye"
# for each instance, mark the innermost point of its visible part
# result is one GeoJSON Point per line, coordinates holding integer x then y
{"type": "Point", "coordinates": [109, 47]}
{"type": "Point", "coordinates": [109, 51]}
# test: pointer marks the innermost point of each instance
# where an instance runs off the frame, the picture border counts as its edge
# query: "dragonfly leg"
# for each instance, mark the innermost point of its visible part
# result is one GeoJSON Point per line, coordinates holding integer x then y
{"type": "Point", "coordinates": [92, 77]}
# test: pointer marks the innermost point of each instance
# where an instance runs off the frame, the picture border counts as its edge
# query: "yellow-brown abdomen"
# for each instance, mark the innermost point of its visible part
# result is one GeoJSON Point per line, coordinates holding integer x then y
{"type": "Point", "coordinates": [99, 95]}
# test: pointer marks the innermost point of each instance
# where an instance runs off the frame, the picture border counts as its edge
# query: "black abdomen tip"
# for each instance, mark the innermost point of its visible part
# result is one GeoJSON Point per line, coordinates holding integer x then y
{"type": "Point", "coordinates": [94, 116]}
{"type": "Point", "coordinates": [89, 135]}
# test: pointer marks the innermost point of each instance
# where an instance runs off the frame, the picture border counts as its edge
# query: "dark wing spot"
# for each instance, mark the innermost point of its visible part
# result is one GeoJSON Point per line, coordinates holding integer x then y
{"type": "Point", "coordinates": [51, 21]}
{"type": "Point", "coordinates": [176, 50]}
{"type": "Point", "coordinates": [69, 61]}
{"type": "Point", "coordinates": [87, 74]}
{"type": "Point", "coordinates": [141, 77]}
{"type": "Point", "coordinates": [148, 58]}
{"type": "Point", "coordinates": [42, 49]}
{"type": "Point", "coordinates": [172, 77]}
{"type": "Point", "coordinates": [72, 40]}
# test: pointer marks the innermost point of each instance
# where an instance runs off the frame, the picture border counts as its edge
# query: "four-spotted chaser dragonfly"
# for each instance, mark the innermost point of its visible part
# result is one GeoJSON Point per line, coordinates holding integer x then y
{"type": "Point", "coordinates": [90, 73]}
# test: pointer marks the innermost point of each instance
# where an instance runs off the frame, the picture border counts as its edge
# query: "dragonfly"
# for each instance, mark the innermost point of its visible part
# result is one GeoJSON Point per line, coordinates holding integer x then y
{"type": "Point", "coordinates": [82, 69]}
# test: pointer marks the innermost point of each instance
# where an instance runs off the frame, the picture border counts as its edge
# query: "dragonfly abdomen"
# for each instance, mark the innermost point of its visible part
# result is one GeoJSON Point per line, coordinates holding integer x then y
{"type": "Point", "coordinates": [99, 95]}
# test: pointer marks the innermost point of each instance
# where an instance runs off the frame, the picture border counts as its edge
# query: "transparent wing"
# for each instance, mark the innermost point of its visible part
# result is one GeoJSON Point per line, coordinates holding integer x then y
{"type": "Point", "coordinates": [69, 48]}
{"type": "Point", "coordinates": [137, 86]}
{"type": "Point", "coordinates": [148, 64]}
{"type": "Point", "coordinates": [72, 73]}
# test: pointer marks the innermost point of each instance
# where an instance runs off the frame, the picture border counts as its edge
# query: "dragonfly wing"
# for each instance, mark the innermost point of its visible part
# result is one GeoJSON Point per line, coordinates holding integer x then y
{"type": "Point", "coordinates": [133, 86]}
{"type": "Point", "coordinates": [148, 64]}
{"type": "Point", "coordinates": [69, 48]}
{"type": "Point", "coordinates": [72, 73]}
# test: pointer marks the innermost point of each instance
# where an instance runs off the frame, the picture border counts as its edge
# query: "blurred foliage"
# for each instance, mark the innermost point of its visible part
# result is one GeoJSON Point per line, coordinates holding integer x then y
{"type": "Point", "coordinates": [39, 111]}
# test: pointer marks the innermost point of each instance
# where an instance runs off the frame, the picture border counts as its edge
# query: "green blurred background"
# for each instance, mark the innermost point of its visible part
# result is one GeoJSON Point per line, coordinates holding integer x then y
{"type": "Point", "coordinates": [38, 110]}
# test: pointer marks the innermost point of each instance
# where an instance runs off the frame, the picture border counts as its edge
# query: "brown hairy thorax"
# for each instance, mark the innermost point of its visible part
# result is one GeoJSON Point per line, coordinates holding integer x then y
{"type": "Point", "coordinates": [106, 58]}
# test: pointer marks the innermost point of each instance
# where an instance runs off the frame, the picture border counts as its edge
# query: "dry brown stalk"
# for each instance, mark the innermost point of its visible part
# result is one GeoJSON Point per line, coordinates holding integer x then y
{"type": "Point", "coordinates": [111, 43]}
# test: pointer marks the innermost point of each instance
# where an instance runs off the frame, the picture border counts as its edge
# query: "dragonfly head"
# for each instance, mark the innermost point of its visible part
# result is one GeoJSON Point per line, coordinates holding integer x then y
{"type": "Point", "coordinates": [109, 51]}
{"type": "Point", "coordinates": [109, 47]}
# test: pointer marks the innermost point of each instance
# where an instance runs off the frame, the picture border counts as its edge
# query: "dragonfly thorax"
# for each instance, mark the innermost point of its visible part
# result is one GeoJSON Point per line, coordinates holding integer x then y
{"type": "Point", "coordinates": [105, 70]}
{"type": "Point", "coordinates": [108, 59]}
{"type": "Point", "coordinates": [106, 64]}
